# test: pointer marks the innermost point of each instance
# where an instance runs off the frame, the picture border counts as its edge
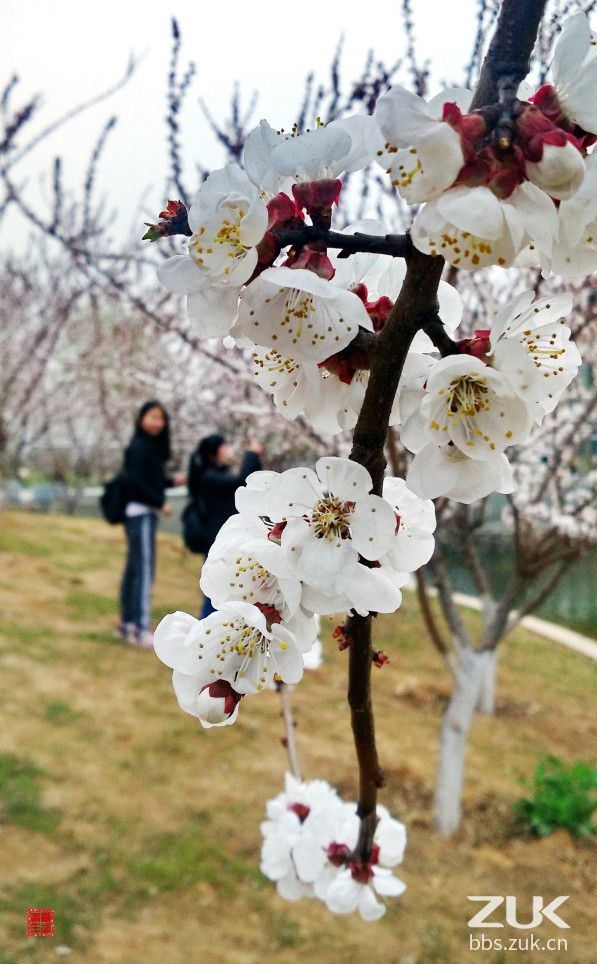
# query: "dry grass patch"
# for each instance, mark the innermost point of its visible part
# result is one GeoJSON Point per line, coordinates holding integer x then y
{"type": "Point", "coordinates": [150, 847]}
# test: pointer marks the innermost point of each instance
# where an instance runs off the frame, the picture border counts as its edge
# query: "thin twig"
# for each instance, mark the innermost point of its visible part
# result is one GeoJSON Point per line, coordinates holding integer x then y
{"type": "Point", "coordinates": [289, 725]}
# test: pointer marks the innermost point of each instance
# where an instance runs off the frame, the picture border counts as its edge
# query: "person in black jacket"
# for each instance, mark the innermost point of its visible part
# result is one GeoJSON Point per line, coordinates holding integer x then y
{"type": "Point", "coordinates": [212, 484]}
{"type": "Point", "coordinates": [145, 459]}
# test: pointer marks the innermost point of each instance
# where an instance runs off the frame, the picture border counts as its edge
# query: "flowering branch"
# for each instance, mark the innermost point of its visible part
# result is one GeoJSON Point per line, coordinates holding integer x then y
{"type": "Point", "coordinates": [396, 245]}
{"type": "Point", "coordinates": [510, 49]}
{"type": "Point", "coordinates": [416, 302]}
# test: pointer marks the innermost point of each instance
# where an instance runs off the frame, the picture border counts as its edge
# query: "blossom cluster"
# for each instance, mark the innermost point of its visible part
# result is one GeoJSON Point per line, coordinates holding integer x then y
{"type": "Point", "coordinates": [303, 543]}
{"type": "Point", "coordinates": [309, 839]}
{"type": "Point", "coordinates": [512, 183]}
{"type": "Point", "coordinates": [477, 403]}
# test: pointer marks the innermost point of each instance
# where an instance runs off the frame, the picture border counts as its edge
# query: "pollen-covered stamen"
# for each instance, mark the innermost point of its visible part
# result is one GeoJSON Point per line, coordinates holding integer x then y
{"type": "Point", "coordinates": [542, 349]}
{"type": "Point", "coordinates": [253, 581]}
{"type": "Point", "coordinates": [464, 248]}
{"type": "Point", "coordinates": [466, 397]}
{"type": "Point", "coordinates": [331, 518]}
{"type": "Point", "coordinates": [405, 177]}
{"type": "Point", "coordinates": [273, 363]}
{"type": "Point", "coordinates": [240, 639]}
{"type": "Point", "coordinates": [201, 246]}
{"type": "Point", "coordinates": [298, 307]}
{"type": "Point", "coordinates": [251, 644]}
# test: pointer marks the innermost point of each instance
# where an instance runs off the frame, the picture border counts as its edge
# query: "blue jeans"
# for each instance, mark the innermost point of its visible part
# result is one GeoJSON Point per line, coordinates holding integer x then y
{"type": "Point", "coordinates": [137, 579]}
{"type": "Point", "coordinates": [207, 609]}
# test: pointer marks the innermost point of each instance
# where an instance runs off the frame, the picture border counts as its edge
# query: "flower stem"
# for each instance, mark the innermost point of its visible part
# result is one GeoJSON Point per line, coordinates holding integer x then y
{"type": "Point", "coordinates": [289, 740]}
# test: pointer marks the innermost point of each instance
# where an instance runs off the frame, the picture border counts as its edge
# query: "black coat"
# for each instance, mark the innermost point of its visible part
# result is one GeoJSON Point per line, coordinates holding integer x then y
{"type": "Point", "coordinates": [145, 475]}
{"type": "Point", "coordinates": [216, 485]}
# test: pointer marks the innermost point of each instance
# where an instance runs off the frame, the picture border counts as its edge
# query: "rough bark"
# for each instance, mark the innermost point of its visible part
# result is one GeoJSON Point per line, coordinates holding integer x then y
{"type": "Point", "coordinates": [454, 738]}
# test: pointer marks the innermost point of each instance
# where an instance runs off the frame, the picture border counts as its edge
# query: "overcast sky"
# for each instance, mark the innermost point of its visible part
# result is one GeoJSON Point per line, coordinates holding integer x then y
{"type": "Point", "coordinates": [70, 50]}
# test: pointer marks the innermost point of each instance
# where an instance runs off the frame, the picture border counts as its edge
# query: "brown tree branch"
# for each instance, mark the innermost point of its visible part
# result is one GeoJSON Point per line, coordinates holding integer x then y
{"type": "Point", "coordinates": [510, 50]}
{"type": "Point", "coordinates": [397, 245]}
{"type": "Point", "coordinates": [427, 613]}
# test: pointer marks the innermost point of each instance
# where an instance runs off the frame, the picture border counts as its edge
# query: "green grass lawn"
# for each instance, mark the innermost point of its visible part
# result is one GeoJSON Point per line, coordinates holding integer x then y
{"type": "Point", "coordinates": [141, 830]}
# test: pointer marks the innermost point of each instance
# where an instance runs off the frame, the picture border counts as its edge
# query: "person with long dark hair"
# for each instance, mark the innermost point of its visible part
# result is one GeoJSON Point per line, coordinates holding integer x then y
{"type": "Point", "coordinates": [146, 482]}
{"type": "Point", "coordinates": [211, 483]}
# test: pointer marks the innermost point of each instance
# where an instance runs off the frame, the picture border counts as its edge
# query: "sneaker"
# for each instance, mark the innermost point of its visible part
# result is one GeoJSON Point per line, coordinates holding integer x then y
{"type": "Point", "coordinates": [124, 631]}
{"type": "Point", "coordinates": [143, 640]}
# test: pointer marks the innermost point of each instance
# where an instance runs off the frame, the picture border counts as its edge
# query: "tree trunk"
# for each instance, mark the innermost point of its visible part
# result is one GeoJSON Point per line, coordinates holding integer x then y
{"type": "Point", "coordinates": [457, 721]}
{"type": "Point", "coordinates": [486, 702]}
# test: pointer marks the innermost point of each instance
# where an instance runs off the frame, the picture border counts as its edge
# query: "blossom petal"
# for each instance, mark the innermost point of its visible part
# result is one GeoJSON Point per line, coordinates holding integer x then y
{"type": "Point", "coordinates": [213, 311]}
{"type": "Point", "coordinates": [373, 526]}
{"type": "Point", "coordinates": [181, 275]}
{"type": "Point", "coordinates": [370, 909]}
{"type": "Point", "coordinates": [348, 480]}
{"type": "Point", "coordinates": [386, 884]}
{"type": "Point", "coordinates": [475, 210]}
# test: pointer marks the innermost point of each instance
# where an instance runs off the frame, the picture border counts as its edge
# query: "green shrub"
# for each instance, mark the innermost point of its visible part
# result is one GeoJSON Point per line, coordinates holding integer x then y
{"type": "Point", "coordinates": [563, 797]}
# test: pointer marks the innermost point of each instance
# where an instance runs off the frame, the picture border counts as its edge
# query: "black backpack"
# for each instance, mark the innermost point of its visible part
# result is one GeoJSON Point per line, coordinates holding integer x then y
{"type": "Point", "coordinates": [113, 499]}
{"type": "Point", "coordinates": [194, 533]}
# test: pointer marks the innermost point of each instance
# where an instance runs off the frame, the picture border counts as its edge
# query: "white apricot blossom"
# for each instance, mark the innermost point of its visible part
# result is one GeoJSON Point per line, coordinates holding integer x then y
{"type": "Point", "coordinates": [300, 824]}
{"type": "Point", "coordinates": [530, 343]}
{"type": "Point", "coordinates": [236, 643]}
{"type": "Point", "coordinates": [245, 565]}
{"type": "Point", "coordinates": [446, 471]}
{"type": "Point", "coordinates": [331, 521]}
{"type": "Point", "coordinates": [414, 543]}
{"type": "Point", "coordinates": [468, 405]}
{"type": "Point", "coordinates": [574, 69]}
{"type": "Point", "coordinates": [422, 153]}
{"type": "Point", "coordinates": [471, 228]}
{"type": "Point", "coordinates": [300, 314]}
{"type": "Point", "coordinates": [228, 220]}
{"type": "Point", "coordinates": [297, 387]}
{"type": "Point", "coordinates": [274, 159]}
{"type": "Point", "coordinates": [308, 842]}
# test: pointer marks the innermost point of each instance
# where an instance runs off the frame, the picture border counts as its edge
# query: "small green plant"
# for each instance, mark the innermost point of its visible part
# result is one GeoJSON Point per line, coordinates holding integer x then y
{"type": "Point", "coordinates": [563, 797]}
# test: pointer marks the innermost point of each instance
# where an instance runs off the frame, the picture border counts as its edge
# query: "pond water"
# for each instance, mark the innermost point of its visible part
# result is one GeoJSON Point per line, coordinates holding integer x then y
{"type": "Point", "coordinates": [573, 602]}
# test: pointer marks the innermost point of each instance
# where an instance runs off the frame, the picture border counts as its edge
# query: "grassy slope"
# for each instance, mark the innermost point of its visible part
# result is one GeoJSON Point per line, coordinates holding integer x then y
{"type": "Point", "coordinates": [142, 831]}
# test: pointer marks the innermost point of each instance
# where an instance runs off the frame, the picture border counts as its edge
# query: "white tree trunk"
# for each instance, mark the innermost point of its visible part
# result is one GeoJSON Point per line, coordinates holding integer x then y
{"type": "Point", "coordinates": [486, 703]}
{"type": "Point", "coordinates": [454, 737]}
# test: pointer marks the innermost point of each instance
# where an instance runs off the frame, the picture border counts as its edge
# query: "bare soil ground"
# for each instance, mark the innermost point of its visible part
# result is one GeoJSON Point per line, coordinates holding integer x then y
{"type": "Point", "coordinates": [141, 830]}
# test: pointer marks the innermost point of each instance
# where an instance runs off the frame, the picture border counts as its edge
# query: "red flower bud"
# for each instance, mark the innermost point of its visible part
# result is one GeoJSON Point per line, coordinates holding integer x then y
{"type": "Point", "coordinates": [175, 222]}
